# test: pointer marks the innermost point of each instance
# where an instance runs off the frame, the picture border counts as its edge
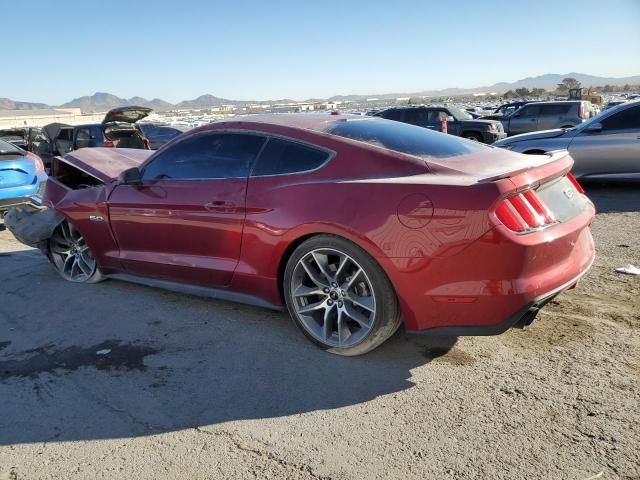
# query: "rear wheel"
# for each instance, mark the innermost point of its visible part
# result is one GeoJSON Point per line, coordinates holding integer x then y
{"type": "Point", "coordinates": [71, 256]}
{"type": "Point", "coordinates": [339, 296]}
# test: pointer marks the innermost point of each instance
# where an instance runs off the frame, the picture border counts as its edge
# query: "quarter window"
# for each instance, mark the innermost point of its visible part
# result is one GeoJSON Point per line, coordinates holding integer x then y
{"type": "Point", "coordinates": [551, 110]}
{"type": "Point", "coordinates": [207, 156]}
{"type": "Point", "coordinates": [282, 156]}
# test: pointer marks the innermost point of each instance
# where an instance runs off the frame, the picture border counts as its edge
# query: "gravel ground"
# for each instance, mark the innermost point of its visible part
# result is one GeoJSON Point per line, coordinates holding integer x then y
{"type": "Point", "coordinates": [195, 388]}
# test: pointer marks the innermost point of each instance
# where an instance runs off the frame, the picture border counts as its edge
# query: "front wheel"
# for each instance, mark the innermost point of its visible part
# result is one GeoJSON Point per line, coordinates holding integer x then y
{"type": "Point", "coordinates": [476, 137]}
{"type": "Point", "coordinates": [71, 256]}
{"type": "Point", "coordinates": [339, 296]}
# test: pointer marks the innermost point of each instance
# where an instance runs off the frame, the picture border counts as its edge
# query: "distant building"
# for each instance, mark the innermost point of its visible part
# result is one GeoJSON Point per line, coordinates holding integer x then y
{"type": "Point", "coordinates": [41, 117]}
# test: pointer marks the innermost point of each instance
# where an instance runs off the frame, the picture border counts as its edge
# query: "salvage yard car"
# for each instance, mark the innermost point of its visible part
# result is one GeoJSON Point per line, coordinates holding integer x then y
{"type": "Point", "coordinates": [356, 224]}
{"type": "Point", "coordinates": [26, 138]}
{"type": "Point", "coordinates": [606, 146]}
{"type": "Point", "coordinates": [118, 129]}
{"type": "Point", "coordinates": [459, 122]}
{"type": "Point", "coordinates": [22, 177]}
{"type": "Point", "coordinates": [545, 115]}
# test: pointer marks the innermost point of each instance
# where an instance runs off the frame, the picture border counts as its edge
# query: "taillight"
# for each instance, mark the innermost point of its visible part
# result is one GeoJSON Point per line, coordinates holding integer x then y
{"type": "Point", "coordinates": [146, 143]}
{"type": "Point", "coordinates": [581, 111]}
{"type": "Point", "coordinates": [575, 183]}
{"type": "Point", "coordinates": [524, 212]}
{"type": "Point", "coordinates": [107, 144]}
{"type": "Point", "coordinates": [39, 166]}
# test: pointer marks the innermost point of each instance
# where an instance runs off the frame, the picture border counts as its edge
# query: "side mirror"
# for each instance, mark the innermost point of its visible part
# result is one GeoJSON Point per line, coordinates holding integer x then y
{"type": "Point", "coordinates": [594, 128]}
{"type": "Point", "coordinates": [450, 118]}
{"type": "Point", "coordinates": [131, 176]}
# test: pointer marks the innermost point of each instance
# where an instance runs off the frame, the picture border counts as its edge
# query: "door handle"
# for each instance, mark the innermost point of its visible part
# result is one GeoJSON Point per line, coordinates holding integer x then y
{"type": "Point", "coordinates": [219, 205]}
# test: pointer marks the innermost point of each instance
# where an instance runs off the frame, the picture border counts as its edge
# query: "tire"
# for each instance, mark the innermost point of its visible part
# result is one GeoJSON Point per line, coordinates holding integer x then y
{"type": "Point", "coordinates": [71, 257]}
{"type": "Point", "coordinates": [351, 308]}
{"type": "Point", "coordinates": [476, 137]}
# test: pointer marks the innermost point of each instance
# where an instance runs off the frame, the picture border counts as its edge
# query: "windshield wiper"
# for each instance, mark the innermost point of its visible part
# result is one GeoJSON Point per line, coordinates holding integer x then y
{"type": "Point", "coordinates": [8, 152]}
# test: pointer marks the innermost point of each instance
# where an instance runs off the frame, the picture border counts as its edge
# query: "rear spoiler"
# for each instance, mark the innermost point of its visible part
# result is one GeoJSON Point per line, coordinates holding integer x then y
{"type": "Point", "coordinates": [556, 164]}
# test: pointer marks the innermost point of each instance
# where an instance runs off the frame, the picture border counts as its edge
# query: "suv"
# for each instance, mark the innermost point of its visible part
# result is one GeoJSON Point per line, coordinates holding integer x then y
{"type": "Point", "coordinates": [118, 129]}
{"type": "Point", "coordinates": [459, 122]}
{"type": "Point", "coordinates": [546, 116]}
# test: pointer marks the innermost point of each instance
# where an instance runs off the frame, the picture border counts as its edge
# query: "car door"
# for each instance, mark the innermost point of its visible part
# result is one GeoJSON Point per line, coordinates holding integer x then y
{"type": "Point", "coordinates": [416, 116]}
{"type": "Point", "coordinates": [434, 119]}
{"type": "Point", "coordinates": [614, 149]}
{"type": "Point", "coordinates": [524, 120]}
{"type": "Point", "coordinates": [184, 223]}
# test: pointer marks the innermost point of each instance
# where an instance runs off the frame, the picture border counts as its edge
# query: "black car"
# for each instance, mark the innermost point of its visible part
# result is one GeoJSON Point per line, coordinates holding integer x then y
{"type": "Point", "coordinates": [26, 138]}
{"type": "Point", "coordinates": [118, 129]}
{"type": "Point", "coordinates": [459, 122]}
{"type": "Point", "coordinates": [157, 134]}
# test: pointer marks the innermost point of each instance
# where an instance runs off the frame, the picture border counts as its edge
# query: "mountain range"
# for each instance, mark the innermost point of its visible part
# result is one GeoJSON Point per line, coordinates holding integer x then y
{"type": "Point", "coordinates": [101, 102]}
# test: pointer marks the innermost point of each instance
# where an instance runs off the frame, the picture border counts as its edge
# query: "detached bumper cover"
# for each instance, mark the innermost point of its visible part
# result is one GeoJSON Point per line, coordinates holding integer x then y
{"type": "Point", "coordinates": [32, 226]}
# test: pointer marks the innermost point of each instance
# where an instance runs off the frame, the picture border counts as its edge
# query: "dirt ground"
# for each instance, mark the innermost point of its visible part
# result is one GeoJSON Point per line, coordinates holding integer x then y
{"type": "Point", "coordinates": [195, 388]}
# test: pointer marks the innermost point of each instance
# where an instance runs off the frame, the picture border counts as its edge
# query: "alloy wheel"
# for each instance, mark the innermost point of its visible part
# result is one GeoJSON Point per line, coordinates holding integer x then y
{"type": "Point", "coordinates": [333, 297]}
{"type": "Point", "coordinates": [70, 254]}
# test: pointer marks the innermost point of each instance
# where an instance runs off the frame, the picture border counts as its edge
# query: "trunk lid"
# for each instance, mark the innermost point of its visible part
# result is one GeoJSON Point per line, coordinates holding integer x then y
{"type": "Point", "coordinates": [126, 114]}
{"type": "Point", "coordinates": [497, 163]}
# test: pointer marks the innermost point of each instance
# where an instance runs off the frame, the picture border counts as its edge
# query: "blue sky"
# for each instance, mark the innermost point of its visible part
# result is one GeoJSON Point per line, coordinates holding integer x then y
{"type": "Point", "coordinates": [239, 49]}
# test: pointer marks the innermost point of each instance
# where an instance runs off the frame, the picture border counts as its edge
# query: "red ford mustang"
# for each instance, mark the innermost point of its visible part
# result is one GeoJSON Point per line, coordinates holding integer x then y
{"type": "Point", "coordinates": [355, 224]}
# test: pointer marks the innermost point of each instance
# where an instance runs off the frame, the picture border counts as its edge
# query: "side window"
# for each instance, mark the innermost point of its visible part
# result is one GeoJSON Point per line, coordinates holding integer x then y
{"type": "Point", "coordinates": [530, 111]}
{"type": "Point", "coordinates": [554, 110]}
{"type": "Point", "coordinates": [282, 156]}
{"type": "Point", "coordinates": [627, 119]}
{"type": "Point", "coordinates": [396, 115]}
{"type": "Point", "coordinates": [435, 116]}
{"type": "Point", "coordinates": [417, 116]}
{"type": "Point", "coordinates": [83, 138]}
{"type": "Point", "coordinates": [206, 156]}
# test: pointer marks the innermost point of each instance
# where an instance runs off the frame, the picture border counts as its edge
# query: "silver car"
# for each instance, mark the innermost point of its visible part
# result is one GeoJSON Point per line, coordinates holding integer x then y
{"type": "Point", "coordinates": [544, 115]}
{"type": "Point", "coordinates": [605, 146]}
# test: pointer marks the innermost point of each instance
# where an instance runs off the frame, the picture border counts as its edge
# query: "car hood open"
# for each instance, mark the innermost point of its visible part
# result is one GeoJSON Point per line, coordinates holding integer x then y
{"type": "Point", "coordinates": [52, 130]}
{"type": "Point", "coordinates": [106, 164]}
{"type": "Point", "coordinates": [126, 114]}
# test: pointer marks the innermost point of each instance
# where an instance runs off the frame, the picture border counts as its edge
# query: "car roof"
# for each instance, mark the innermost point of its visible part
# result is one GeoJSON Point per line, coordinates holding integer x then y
{"type": "Point", "coordinates": [304, 121]}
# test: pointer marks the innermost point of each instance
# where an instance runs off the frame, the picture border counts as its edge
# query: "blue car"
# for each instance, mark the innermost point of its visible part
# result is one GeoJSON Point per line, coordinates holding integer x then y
{"type": "Point", "coordinates": [22, 178]}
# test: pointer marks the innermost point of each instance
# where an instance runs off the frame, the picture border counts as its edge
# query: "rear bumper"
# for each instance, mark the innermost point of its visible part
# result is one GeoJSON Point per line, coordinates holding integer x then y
{"type": "Point", "coordinates": [495, 281]}
{"type": "Point", "coordinates": [523, 318]}
{"type": "Point", "coordinates": [29, 195]}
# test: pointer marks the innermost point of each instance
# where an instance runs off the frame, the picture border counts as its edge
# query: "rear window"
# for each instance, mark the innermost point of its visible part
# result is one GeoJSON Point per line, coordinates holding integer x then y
{"type": "Point", "coordinates": [404, 138]}
{"type": "Point", "coordinates": [7, 147]}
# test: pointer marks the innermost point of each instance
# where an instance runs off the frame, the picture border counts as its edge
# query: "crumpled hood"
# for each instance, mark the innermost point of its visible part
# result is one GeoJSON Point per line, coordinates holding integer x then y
{"type": "Point", "coordinates": [106, 164]}
{"type": "Point", "coordinates": [542, 134]}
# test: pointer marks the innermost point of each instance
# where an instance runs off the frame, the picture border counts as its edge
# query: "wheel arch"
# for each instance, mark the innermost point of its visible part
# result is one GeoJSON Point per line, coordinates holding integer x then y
{"type": "Point", "coordinates": [369, 247]}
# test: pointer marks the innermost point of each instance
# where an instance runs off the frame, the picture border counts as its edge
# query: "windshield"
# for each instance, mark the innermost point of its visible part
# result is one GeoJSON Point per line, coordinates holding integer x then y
{"type": "Point", "coordinates": [460, 114]}
{"type": "Point", "coordinates": [403, 137]}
